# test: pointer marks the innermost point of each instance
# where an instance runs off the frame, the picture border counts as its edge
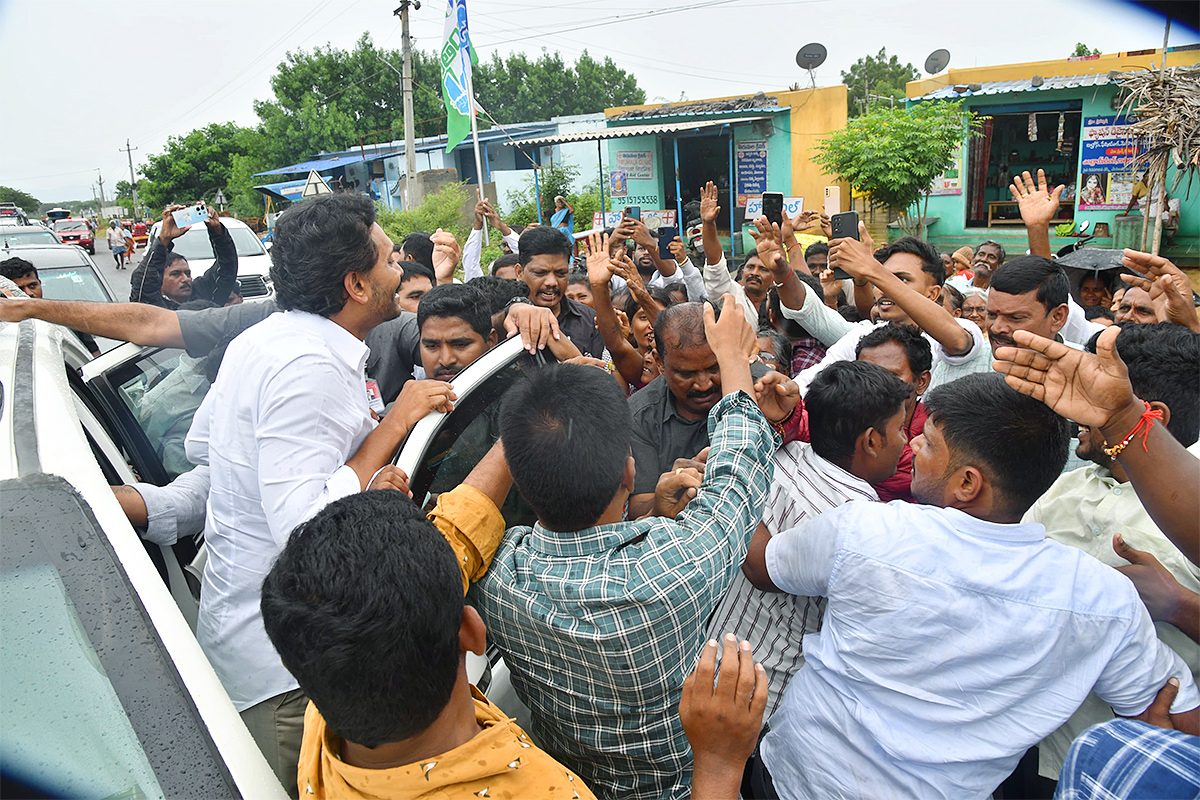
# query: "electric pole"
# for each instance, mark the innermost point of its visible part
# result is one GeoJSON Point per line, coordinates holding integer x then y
{"type": "Point", "coordinates": [132, 180]}
{"type": "Point", "coordinates": [100, 180]}
{"type": "Point", "coordinates": [410, 153]}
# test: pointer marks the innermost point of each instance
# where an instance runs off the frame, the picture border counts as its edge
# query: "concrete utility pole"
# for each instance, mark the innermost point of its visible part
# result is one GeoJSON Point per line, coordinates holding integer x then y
{"type": "Point", "coordinates": [132, 180]}
{"type": "Point", "coordinates": [100, 180]}
{"type": "Point", "coordinates": [410, 153]}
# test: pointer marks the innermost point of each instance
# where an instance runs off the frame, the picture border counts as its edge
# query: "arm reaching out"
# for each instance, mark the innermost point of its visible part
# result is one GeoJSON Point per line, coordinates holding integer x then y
{"type": "Point", "coordinates": [1038, 206]}
{"type": "Point", "coordinates": [709, 211]}
{"type": "Point", "coordinates": [1168, 286]}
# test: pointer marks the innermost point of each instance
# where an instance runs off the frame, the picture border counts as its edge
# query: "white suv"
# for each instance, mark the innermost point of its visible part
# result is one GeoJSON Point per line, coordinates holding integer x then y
{"type": "Point", "coordinates": [254, 263]}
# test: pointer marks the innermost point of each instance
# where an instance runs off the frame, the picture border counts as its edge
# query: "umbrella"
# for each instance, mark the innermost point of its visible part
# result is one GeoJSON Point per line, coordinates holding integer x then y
{"type": "Point", "coordinates": [1094, 261]}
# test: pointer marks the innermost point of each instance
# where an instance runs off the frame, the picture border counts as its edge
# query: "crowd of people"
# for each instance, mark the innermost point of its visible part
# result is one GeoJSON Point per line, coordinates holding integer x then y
{"type": "Point", "coordinates": [796, 535]}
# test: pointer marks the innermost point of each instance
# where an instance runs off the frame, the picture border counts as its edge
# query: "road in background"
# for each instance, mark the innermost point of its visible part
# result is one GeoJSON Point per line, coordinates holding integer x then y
{"type": "Point", "coordinates": [118, 279]}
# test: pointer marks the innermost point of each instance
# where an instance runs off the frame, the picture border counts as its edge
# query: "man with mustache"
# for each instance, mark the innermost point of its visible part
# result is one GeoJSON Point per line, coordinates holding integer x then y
{"type": "Point", "coordinates": [286, 430]}
{"type": "Point", "coordinates": [989, 256]}
{"type": "Point", "coordinates": [544, 264]}
{"type": "Point", "coordinates": [1028, 293]}
{"type": "Point", "coordinates": [164, 278]}
{"type": "Point", "coordinates": [456, 329]}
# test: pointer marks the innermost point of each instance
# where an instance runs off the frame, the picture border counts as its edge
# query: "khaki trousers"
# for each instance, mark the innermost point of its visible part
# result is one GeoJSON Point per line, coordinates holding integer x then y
{"type": "Point", "coordinates": [277, 725]}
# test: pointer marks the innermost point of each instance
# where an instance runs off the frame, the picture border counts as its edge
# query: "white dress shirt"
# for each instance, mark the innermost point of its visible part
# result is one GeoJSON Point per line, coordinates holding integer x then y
{"type": "Point", "coordinates": [804, 486]}
{"type": "Point", "coordinates": [950, 646]}
{"type": "Point", "coordinates": [473, 250]}
{"type": "Point", "coordinates": [718, 281]}
{"type": "Point", "coordinates": [288, 408]}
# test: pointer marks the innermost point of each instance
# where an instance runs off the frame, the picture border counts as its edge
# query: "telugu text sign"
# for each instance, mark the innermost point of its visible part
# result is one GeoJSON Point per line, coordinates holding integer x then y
{"type": "Point", "coordinates": [791, 207]}
{"type": "Point", "coordinates": [751, 169]}
{"type": "Point", "coordinates": [638, 165]}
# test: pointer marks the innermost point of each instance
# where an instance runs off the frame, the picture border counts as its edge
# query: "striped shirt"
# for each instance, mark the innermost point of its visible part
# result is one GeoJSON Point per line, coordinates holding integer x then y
{"type": "Point", "coordinates": [599, 627]}
{"type": "Point", "coordinates": [774, 623]}
{"type": "Point", "coordinates": [1129, 760]}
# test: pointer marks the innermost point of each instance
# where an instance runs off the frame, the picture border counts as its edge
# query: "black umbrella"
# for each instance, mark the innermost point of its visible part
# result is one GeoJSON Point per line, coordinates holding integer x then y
{"type": "Point", "coordinates": [1093, 259]}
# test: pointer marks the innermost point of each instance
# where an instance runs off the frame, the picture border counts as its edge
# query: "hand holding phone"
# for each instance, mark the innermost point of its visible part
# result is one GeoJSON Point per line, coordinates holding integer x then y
{"type": "Point", "coordinates": [843, 226]}
{"type": "Point", "coordinates": [633, 212]}
{"type": "Point", "coordinates": [666, 235]}
{"type": "Point", "coordinates": [190, 215]}
{"type": "Point", "coordinates": [772, 207]}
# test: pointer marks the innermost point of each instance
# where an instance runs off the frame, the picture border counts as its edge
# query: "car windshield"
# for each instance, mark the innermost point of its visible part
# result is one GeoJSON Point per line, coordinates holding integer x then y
{"type": "Point", "coordinates": [72, 283]}
{"type": "Point", "coordinates": [89, 688]}
{"type": "Point", "coordinates": [70, 225]}
{"type": "Point", "coordinates": [194, 245]}
{"type": "Point", "coordinates": [30, 237]}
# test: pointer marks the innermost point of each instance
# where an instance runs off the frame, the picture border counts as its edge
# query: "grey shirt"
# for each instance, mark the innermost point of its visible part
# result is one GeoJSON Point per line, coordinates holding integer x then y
{"type": "Point", "coordinates": [394, 345]}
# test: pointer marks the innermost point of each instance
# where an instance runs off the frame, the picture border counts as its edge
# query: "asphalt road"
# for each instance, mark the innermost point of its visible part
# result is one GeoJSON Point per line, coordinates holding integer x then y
{"type": "Point", "coordinates": [118, 280]}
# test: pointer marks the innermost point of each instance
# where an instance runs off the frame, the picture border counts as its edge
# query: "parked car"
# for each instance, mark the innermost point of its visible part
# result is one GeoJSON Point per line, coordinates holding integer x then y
{"type": "Point", "coordinates": [26, 234]}
{"type": "Point", "coordinates": [254, 263]}
{"type": "Point", "coordinates": [76, 231]}
{"type": "Point", "coordinates": [66, 272]}
{"type": "Point", "coordinates": [12, 214]}
{"type": "Point", "coordinates": [106, 691]}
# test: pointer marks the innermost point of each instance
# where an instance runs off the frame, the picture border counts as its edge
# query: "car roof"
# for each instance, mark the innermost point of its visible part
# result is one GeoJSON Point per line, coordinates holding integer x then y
{"type": "Point", "coordinates": [22, 229]}
{"type": "Point", "coordinates": [49, 256]}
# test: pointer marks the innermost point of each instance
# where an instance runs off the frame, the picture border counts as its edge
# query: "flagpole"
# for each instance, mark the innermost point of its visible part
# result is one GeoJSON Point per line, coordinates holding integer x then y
{"type": "Point", "coordinates": [462, 50]}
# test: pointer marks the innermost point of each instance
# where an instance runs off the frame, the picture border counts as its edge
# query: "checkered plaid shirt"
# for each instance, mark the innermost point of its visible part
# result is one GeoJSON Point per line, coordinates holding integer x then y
{"type": "Point", "coordinates": [1129, 760]}
{"type": "Point", "coordinates": [599, 627]}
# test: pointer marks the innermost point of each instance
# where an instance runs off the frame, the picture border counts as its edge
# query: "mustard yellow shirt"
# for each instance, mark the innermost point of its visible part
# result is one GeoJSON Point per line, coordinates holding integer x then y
{"type": "Point", "coordinates": [500, 761]}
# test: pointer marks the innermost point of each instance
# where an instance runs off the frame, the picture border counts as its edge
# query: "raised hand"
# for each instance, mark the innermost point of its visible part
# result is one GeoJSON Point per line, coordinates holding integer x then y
{"type": "Point", "coordinates": [598, 268]}
{"type": "Point", "coordinates": [1037, 203]}
{"type": "Point", "coordinates": [624, 268]}
{"type": "Point", "coordinates": [826, 225]}
{"type": "Point", "coordinates": [169, 230]}
{"type": "Point", "coordinates": [709, 209]}
{"type": "Point", "coordinates": [213, 223]}
{"type": "Point", "coordinates": [678, 250]}
{"type": "Point", "coordinates": [418, 398]}
{"type": "Point", "coordinates": [802, 221]}
{"type": "Point", "coordinates": [855, 256]}
{"type": "Point", "coordinates": [767, 240]}
{"type": "Point", "coordinates": [730, 336]}
{"type": "Point", "coordinates": [1089, 389]}
{"type": "Point", "coordinates": [1169, 288]}
{"type": "Point", "coordinates": [623, 323]}
{"type": "Point", "coordinates": [447, 252]}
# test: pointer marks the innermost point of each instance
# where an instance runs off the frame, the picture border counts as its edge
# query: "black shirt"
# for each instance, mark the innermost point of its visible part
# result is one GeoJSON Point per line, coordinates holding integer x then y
{"type": "Point", "coordinates": [578, 322]}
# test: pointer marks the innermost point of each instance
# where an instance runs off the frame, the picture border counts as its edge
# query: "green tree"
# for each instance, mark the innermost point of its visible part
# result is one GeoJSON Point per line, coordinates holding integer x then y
{"type": "Point", "coordinates": [519, 90]}
{"type": "Point", "coordinates": [894, 154]}
{"type": "Point", "coordinates": [878, 75]}
{"type": "Point", "coordinates": [124, 197]}
{"type": "Point", "coordinates": [554, 180]}
{"type": "Point", "coordinates": [192, 167]}
{"type": "Point", "coordinates": [1082, 49]}
{"type": "Point", "coordinates": [26, 202]}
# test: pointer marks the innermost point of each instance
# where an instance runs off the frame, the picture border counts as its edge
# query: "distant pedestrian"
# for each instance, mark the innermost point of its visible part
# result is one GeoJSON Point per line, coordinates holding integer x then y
{"type": "Point", "coordinates": [130, 245]}
{"type": "Point", "coordinates": [116, 243]}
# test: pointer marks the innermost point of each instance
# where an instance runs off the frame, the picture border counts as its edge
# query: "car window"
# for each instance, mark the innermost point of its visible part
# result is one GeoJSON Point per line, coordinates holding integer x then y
{"type": "Point", "coordinates": [162, 390]}
{"type": "Point", "coordinates": [465, 437]}
{"type": "Point", "coordinates": [93, 705]}
{"type": "Point", "coordinates": [33, 237]}
{"type": "Point", "coordinates": [194, 245]}
{"type": "Point", "coordinates": [72, 283]}
{"type": "Point", "coordinates": [70, 225]}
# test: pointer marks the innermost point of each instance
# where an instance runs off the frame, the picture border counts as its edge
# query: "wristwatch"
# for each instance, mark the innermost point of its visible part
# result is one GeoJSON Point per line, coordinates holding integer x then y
{"type": "Point", "coordinates": [517, 300]}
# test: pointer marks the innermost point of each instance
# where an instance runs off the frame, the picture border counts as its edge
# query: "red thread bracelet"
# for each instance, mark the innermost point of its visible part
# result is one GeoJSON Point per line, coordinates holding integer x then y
{"type": "Point", "coordinates": [1143, 428]}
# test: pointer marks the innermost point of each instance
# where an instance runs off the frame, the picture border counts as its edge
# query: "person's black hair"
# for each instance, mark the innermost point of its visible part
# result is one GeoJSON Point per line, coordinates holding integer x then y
{"type": "Point", "coordinates": [1163, 360]}
{"type": "Point", "coordinates": [498, 291]}
{"type": "Point", "coordinates": [931, 262]}
{"type": "Point", "coordinates": [461, 300]}
{"type": "Point", "coordinates": [790, 328]}
{"type": "Point", "coordinates": [620, 297]}
{"type": "Point", "coordinates": [915, 345]}
{"type": "Point", "coordinates": [16, 268]}
{"type": "Point", "coordinates": [396, 247]}
{"type": "Point", "coordinates": [567, 433]}
{"type": "Point", "coordinates": [815, 249]}
{"type": "Point", "coordinates": [682, 325]}
{"type": "Point", "coordinates": [657, 293]}
{"type": "Point", "coordinates": [577, 276]}
{"type": "Point", "coordinates": [781, 346]}
{"type": "Point", "coordinates": [418, 246]}
{"type": "Point", "coordinates": [506, 260]}
{"type": "Point", "coordinates": [542, 241]}
{"type": "Point", "coordinates": [364, 606]}
{"type": "Point", "coordinates": [845, 399]}
{"type": "Point", "coordinates": [415, 269]}
{"type": "Point", "coordinates": [676, 286]}
{"type": "Point", "coordinates": [1019, 444]}
{"type": "Point", "coordinates": [994, 244]}
{"type": "Point", "coordinates": [1106, 279]}
{"type": "Point", "coordinates": [172, 257]}
{"type": "Point", "coordinates": [318, 243]}
{"type": "Point", "coordinates": [956, 297]}
{"type": "Point", "coordinates": [1098, 312]}
{"type": "Point", "coordinates": [1033, 273]}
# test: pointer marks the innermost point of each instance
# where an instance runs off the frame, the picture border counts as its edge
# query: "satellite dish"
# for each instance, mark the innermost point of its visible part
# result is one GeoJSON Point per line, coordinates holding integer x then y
{"type": "Point", "coordinates": [811, 56]}
{"type": "Point", "coordinates": [937, 61]}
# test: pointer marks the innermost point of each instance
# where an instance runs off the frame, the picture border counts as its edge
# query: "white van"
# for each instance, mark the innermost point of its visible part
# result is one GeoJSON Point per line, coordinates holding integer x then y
{"type": "Point", "coordinates": [254, 263]}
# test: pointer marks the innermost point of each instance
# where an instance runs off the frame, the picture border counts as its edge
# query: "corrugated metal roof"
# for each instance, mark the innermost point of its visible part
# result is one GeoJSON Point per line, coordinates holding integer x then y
{"type": "Point", "coordinates": [1026, 85]}
{"type": "Point", "coordinates": [623, 131]}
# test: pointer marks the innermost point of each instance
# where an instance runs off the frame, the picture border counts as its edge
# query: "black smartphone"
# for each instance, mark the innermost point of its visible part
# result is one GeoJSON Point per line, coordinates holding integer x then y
{"type": "Point", "coordinates": [666, 235]}
{"type": "Point", "coordinates": [844, 225]}
{"type": "Point", "coordinates": [634, 211]}
{"type": "Point", "coordinates": [772, 207]}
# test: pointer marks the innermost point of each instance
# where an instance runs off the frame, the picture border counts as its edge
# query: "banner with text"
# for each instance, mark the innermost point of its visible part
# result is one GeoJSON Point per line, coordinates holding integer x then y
{"type": "Point", "coordinates": [653, 219]}
{"type": "Point", "coordinates": [1106, 163]}
{"type": "Point", "coordinates": [751, 157]}
{"type": "Point", "coordinates": [791, 207]}
{"type": "Point", "coordinates": [638, 165]}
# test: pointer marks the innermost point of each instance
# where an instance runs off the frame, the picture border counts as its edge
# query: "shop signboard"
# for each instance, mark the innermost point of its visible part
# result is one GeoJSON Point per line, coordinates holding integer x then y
{"type": "Point", "coordinates": [1106, 163]}
{"type": "Point", "coordinates": [751, 157]}
{"type": "Point", "coordinates": [652, 218]}
{"type": "Point", "coordinates": [638, 165]}
{"type": "Point", "coordinates": [950, 181]}
{"type": "Point", "coordinates": [791, 207]}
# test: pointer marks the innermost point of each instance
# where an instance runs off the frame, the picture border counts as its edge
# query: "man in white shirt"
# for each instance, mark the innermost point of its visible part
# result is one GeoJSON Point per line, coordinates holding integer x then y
{"type": "Point", "coordinates": [286, 430]}
{"type": "Point", "coordinates": [907, 276]}
{"type": "Point", "coordinates": [473, 248]}
{"type": "Point", "coordinates": [856, 414]}
{"type": "Point", "coordinates": [951, 640]}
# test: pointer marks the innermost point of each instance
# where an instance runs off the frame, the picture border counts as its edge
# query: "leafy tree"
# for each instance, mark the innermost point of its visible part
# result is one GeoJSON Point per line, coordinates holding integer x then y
{"type": "Point", "coordinates": [441, 209]}
{"type": "Point", "coordinates": [194, 166]}
{"type": "Point", "coordinates": [1082, 49]}
{"type": "Point", "coordinates": [24, 201]}
{"type": "Point", "coordinates": [894, 154]}
{"type": "Point", "coordinates": [877, 75]}
{"type": "Point", "coordinates": [519, 90]}
{"type": "Point", "coordinates": [554, 180]}
{"type": "Point", "coordinates": [124, 196]}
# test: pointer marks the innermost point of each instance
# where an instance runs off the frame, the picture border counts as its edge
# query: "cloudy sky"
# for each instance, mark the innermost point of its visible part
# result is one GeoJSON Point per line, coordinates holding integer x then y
{"type": "Point", "coordinates": [79, 77]}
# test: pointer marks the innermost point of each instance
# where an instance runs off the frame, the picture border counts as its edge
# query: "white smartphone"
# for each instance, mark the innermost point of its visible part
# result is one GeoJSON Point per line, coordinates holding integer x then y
{"type": "Point", "coordinates": [190, 215]}
{"type": "Point", "coordinates": [833, 200]}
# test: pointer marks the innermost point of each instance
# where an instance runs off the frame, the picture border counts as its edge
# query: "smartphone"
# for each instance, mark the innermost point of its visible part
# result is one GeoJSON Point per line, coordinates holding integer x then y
{"type": "Point", "coordinates": [634, 211]}
{"type": "Point", "coordinates": [666, 235]}
{"type": "Point", "coordinates": [833, 200]}
{"type": "Point", "coordinates": [772, 207]}
{"type": "Point", "coordinates": [190, 215]}
{"type": "Point", "coordinates": [843, 226]}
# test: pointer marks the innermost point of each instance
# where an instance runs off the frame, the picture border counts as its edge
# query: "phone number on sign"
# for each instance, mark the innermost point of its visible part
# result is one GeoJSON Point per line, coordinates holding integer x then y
{"type": "Point", "coordinates": [636, 200]}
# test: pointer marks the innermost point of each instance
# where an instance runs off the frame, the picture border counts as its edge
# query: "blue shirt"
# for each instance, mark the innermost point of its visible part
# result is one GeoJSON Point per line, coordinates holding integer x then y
{"type": "Point", "coordinates": [1126, 759]}
{"type": "Point", "coordinates": [950, 646]}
